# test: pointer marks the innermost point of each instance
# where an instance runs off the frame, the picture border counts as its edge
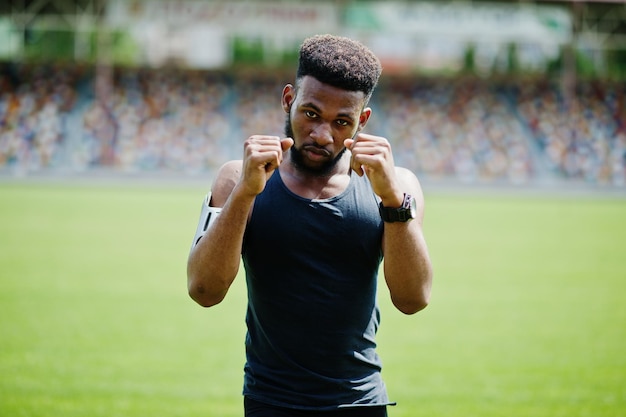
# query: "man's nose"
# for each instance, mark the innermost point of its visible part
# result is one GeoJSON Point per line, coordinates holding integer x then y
{"type": "Point", "coordinates": [322, 134]}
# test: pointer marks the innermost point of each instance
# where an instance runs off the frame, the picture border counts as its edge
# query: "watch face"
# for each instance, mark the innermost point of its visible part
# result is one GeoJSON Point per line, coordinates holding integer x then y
{"type": "Point", "coordinates": [413, 207]}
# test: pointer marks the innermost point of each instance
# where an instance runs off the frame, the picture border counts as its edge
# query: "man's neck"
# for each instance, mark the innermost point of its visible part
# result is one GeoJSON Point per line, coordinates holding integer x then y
{"type": "Point", "coordinates": [309, 185]}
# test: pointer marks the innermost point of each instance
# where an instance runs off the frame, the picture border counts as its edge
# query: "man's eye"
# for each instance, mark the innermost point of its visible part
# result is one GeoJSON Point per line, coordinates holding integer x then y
{"type": "Point", "coordinates": [310, 114]}
{"type": "Point", "coordinates": [342, 123]}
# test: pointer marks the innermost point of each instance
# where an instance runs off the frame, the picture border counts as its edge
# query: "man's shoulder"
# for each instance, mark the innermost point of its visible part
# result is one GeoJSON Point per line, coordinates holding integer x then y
{"type": "Point", "coordinates": [232, 167]}
{"type": "Point", "coordinates": [406, 175]}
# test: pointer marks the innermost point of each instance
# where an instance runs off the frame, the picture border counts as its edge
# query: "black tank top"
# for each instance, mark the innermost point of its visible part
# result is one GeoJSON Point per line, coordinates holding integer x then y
{"type": "Point", "coordinates": [311, 271]}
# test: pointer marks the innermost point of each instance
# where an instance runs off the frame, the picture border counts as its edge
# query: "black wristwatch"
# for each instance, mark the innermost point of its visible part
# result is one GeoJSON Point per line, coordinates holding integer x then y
{"type": "Point", "coordinates": [404, 213]}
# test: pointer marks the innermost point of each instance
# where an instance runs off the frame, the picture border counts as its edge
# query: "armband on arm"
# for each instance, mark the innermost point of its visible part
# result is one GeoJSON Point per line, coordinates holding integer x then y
{"type": "Point", "coordinates": [208, 215]}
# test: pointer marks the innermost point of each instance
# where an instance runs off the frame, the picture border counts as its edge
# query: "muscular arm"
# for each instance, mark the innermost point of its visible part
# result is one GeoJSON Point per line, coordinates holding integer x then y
{"type": "Point", "coordinates": [407, 266]}
{"type": "Point", "coordinates": [214, 262]}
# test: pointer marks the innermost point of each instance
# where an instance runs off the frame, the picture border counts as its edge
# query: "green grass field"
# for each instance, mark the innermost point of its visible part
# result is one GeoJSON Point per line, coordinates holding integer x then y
{"type": "Point", "coordinates": [527, 316]}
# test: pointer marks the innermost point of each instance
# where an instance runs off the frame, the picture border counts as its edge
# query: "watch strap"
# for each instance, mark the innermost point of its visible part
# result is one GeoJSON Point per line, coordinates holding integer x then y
{"type": "Point", "coordinates": [399, 214]}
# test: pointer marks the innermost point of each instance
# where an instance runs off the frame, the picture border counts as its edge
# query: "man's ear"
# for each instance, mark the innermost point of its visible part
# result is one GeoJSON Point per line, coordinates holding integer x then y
{"type": "Point", "coordinates": [288, 97]}
{"type": "Point", "coordinates": [364, 117]}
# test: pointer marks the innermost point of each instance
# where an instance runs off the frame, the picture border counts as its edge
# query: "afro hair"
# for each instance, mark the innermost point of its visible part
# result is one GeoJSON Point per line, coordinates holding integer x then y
{"type": "Point", "coordinates": [341, 62]}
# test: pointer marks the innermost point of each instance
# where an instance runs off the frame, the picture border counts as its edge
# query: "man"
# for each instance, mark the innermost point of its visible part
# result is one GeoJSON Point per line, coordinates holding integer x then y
{"type": "Point", "coordinates": [312, 216]}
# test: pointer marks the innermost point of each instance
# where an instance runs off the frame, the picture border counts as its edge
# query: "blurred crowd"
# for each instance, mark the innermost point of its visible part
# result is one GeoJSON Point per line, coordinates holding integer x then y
{"type": "Point", "coordinates": [464, 128]}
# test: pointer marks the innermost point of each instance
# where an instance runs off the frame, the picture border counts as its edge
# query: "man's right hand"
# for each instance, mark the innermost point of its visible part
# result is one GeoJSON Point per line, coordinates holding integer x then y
{"type": "Point", "coordinates": [262, 155]}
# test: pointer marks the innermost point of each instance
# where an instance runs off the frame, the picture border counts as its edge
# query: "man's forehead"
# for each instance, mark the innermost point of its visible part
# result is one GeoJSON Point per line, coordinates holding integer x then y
{"type": "Point", "coordinates": [312, 91]}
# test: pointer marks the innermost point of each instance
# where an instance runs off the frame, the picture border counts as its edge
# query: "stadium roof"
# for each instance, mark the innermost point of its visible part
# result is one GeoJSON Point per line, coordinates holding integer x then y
{"type": "Point", "coordinates": [600, 21]}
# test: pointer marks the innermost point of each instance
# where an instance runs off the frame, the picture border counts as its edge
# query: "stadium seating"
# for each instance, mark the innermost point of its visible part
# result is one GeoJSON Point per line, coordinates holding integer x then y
{"type": "Point", "coordinates": [471, 130]}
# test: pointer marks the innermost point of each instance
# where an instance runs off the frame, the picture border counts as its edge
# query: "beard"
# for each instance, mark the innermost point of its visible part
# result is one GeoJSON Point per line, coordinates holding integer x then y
{"type": "Point", "coordinates": [298, 160]}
